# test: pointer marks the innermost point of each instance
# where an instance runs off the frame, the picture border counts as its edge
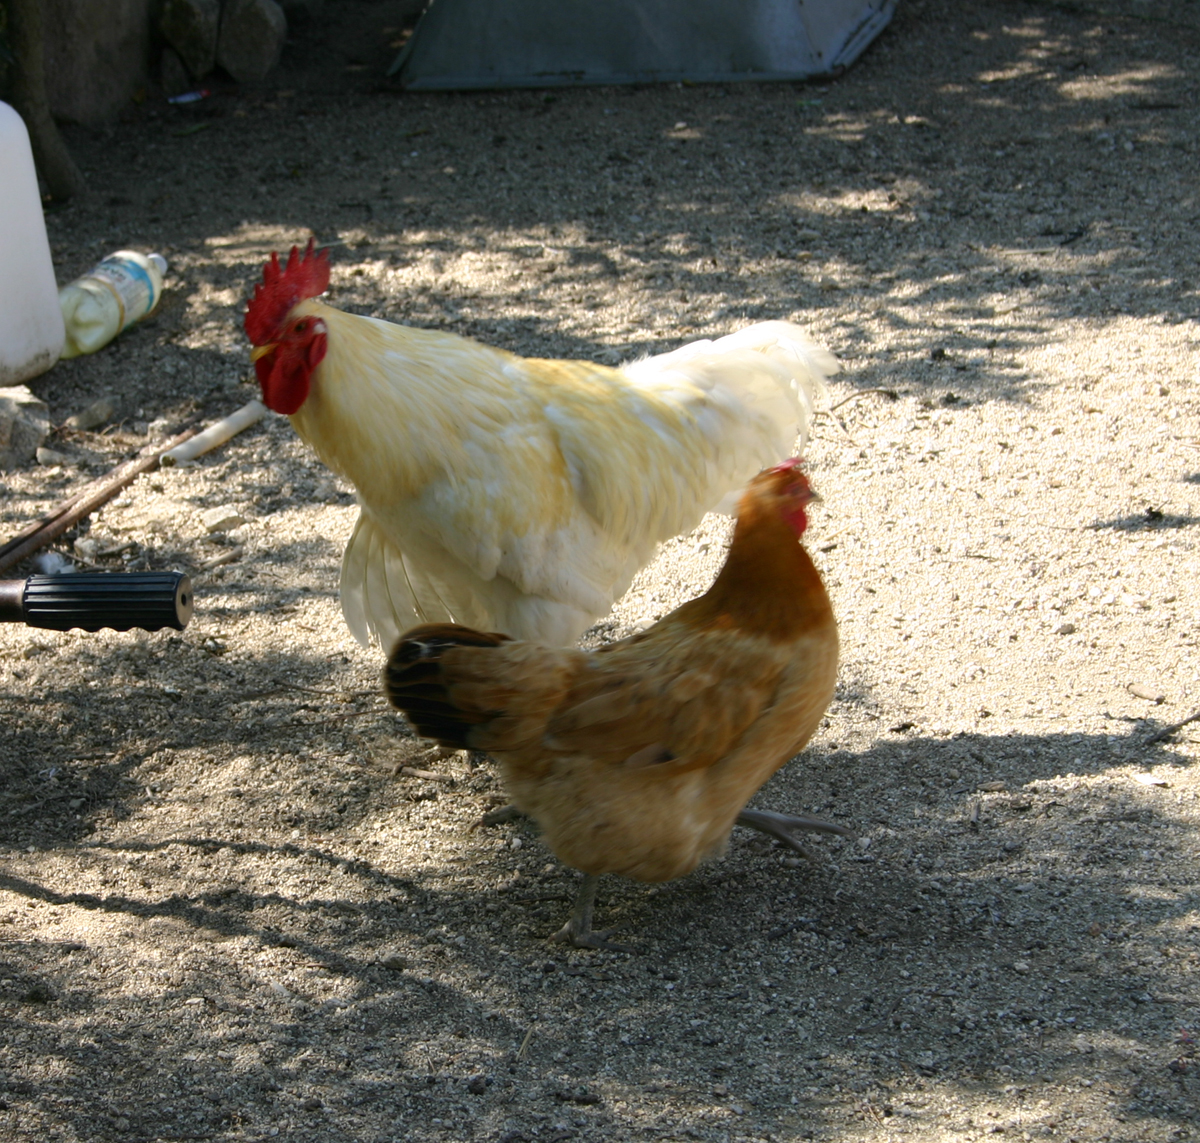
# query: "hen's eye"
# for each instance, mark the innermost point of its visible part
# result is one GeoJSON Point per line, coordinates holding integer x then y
{"type": "Point", "coordinates": [301, 326]}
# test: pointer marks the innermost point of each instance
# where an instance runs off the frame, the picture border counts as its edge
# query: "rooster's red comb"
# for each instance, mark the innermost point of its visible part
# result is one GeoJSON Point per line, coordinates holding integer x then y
{"type": "Point", "coordinates": [304, 276]}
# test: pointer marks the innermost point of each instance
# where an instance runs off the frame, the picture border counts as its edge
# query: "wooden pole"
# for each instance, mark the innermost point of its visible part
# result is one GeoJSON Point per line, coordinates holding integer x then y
{"type": "Point", "coordinates": [70, 512]}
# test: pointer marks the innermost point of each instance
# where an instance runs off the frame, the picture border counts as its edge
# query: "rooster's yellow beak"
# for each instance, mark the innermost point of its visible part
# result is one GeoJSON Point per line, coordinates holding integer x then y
{"type": "Point", "coordinates": [262, 350]}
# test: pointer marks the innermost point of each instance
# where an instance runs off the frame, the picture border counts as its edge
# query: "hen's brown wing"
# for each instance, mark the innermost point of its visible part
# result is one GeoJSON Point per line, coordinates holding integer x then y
{"type": "Point", "coordinates": [678, 698]}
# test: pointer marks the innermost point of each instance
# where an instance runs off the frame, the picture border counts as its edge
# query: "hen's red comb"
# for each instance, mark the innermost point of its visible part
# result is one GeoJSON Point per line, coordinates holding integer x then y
{"type": "Point", "coordinates": [792, 462]}
{"type": "Point", "coordinates": [282, 287]}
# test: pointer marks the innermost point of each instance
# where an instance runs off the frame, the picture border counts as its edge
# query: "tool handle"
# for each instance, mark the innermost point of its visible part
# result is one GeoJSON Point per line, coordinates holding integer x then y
{"type": "Point", "coordinates": [119, 600]}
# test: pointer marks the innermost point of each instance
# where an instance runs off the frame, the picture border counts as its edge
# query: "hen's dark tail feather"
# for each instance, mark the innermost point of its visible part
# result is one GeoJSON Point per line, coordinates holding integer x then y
{"type": "Point", "coordinates": [413, 682]}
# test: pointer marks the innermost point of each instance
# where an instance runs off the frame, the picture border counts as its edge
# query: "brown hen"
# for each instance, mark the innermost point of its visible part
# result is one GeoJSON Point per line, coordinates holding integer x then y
{"type": "Point", "coordinates": [639, 758]}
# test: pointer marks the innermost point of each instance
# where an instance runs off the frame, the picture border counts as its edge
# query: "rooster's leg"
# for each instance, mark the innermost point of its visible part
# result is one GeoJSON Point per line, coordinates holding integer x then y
{"type": "Point", "coordinates": [578, 930]}
{"type": "Point", "coordinates": [781, 827]}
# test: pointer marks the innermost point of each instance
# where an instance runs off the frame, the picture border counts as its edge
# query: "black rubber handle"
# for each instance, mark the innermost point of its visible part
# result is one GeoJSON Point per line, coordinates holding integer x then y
{"type": "Point", "coordinates": [119, 600]}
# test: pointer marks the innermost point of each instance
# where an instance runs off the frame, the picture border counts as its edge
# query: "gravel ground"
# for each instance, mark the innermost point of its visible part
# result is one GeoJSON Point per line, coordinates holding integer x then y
{"type": "Point", "coordinates": [223, 915]}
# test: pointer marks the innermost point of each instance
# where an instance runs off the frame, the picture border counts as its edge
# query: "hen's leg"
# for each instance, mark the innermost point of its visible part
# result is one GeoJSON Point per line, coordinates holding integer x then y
{"type": "Point", "coordinates": [499, 816]}
{"type": "Point", "coordinates": [578, 930]}
{"type": "Point", "coordinates": [782, 827]}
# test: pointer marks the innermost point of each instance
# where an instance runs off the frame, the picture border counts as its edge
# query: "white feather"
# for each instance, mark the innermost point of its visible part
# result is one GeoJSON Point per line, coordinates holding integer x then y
{"type": "Point", "coordinates": [521, 495]}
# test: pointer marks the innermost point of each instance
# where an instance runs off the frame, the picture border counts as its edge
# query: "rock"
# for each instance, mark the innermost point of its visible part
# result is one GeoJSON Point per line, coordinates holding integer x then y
{"type": "Point", "coordinates": [1150, 780]}
{"type": "Point", "coordinates": [1067, 628]}
{"type": "Point", "coordinates": [48, 457]}
{"type": "Point", "coordinates": [191, 27]}
{"type": "Point", "coordinates": [97, 56]}
{"type": "Point", "coordinates": [173, 75]}
{"type": "Point", "coordinates": [222, 519]}
{"type": "Point", "coordinates": [1150, 694]}
{"type": "Point", "coordinates": [96, 414]}
{"type": "Point", "coordinates": [301, 12]}
{"type": "Point", "coordinates": [395, 961]}
{"type": "Point", "coordinates": [252, 33]}
{"type": "Point", "coordinates": [24, 424]}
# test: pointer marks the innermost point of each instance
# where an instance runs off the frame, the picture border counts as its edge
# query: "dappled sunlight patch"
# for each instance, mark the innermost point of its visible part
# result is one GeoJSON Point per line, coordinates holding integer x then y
{"type": "Point", "coordinates": [1143, 81]}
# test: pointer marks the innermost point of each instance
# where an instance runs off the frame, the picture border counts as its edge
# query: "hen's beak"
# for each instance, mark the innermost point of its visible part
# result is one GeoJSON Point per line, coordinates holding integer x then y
{"type": "Point", "coordinates": [815, 497]}
{"type": "Point", "coordinates": [262, 350]}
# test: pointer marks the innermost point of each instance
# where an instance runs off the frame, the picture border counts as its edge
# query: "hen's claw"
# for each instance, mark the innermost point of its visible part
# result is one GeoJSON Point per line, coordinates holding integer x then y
{"type": "Point", "coordinates": [780, 827]}
{"type": "Point", "coordinates": [499, 816]}
{"type": "Point", "coordinates": [578, 929]}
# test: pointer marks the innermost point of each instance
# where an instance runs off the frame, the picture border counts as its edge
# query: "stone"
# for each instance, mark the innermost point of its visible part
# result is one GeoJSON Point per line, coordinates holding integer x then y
{"type": "Point", "coordinates": [172, 74]}
{"type": "Point", "coordinates": [222, 519]}
{"type": "Point", "coordinates": [191, 27]}
{"type": "Point", "coordinates": [98, 413]}
{"type": "Point", "coordinates": [251, 38]}
{"type": "Point", "coordinates": [50, 458]}
{"type": "Point", "coordinates": [24, 424]}
{"type": "Point", "coordinates": [302, 12]}
{"type": "Point", "coordinates": [97, 56]}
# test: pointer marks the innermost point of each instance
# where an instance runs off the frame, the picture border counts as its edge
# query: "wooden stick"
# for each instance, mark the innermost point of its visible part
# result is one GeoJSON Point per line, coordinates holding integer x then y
{"type": "Point", "coordinates": [216, 434]}
{"type": "Point", "coordinates": [428, 775]}
{"type": "Point", "coordinates": [1167, 731]}
{"type": "Point", "coordinates": [71, 511]}
{"type": "Point", "coordinates": [890, 394]}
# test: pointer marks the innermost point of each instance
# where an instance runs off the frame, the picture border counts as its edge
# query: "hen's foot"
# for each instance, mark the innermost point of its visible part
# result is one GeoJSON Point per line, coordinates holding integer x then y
{"type": "Point", "coordinates": [499, 816]}
{"type": "Point", "coordinates": [783, 828]}
{"type": "Point", "coordinates": [578, 929]}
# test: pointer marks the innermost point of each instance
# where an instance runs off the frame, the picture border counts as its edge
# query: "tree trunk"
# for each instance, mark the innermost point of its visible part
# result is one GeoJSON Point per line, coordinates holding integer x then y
{"type": "Point", "coordinates": [54, 162]}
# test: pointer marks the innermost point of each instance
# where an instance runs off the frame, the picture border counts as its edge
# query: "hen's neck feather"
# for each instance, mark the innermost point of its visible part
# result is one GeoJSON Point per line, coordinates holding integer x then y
{"type": "Point", "coordinates": [769, 585]}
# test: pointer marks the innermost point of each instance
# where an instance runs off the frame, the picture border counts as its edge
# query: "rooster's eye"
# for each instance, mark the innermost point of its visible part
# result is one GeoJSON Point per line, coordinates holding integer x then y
{"type": "Point", "coordinates": [301, 326]}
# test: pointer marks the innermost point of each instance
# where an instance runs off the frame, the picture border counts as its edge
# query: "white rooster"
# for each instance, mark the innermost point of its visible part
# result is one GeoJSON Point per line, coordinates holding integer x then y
{"type": "Point", "coordinates": [516, 494]}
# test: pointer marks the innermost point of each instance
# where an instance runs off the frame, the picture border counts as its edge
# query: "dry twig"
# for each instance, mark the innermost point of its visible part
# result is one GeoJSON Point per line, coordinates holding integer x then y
{"type": "Point", "coordinates": [41, 532]}
{"type": "Point", "coordinates": [1167, 731]}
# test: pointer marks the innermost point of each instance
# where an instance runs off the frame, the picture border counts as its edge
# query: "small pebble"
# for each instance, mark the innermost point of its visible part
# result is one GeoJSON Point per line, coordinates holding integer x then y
{"type": "Point", "coordinates": [96, 414]}
{"type": "Point", "coordinates": [992, 787]}
{"type": "Point", "coordinates": [48, 457]}
{"type": "Point", "coordinates": [1150, 780]}
{"type": "Point", "coordinates": [1142, 691]}
{"type": "Point", "coordinates": [394, 960]}
{"type": "Point", "coordinates": [222, 519]}
{"type": "Point", "coordinates": [1067, 628]}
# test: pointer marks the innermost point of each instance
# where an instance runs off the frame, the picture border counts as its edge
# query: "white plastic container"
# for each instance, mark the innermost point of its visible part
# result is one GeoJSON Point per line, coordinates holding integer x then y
{"type": "Point", "coordinates": [114, 294]}
{"type": "Point", "coordinates": [31, 325]}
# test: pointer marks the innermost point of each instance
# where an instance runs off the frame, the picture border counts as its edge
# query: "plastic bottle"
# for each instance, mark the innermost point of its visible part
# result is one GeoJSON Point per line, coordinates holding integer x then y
{"type": "Point", "coordinates": [31, 326]}
{"type": "Point", "coordinates": [114, 294]}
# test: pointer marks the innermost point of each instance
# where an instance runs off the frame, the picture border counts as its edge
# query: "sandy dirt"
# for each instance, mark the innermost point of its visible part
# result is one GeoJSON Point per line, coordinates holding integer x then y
{"type": "Point", "coordinates": [224, 917]}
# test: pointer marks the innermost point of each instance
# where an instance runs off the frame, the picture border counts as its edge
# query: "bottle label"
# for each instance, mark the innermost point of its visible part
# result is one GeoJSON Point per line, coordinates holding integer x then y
{"type": "Point", "coordinates": [130, 285]}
